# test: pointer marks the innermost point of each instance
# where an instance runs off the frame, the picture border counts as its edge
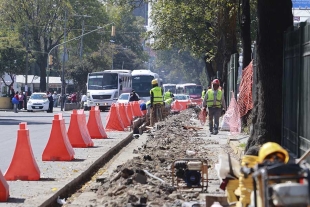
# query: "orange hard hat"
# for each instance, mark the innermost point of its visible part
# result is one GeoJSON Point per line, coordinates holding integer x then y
{"type": "Point", "coordinates": [216, 81]}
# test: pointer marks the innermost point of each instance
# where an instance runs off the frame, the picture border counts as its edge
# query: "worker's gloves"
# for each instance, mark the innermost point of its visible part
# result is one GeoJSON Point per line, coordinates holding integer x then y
{"type": "Point", "coordinates": [204, 109]}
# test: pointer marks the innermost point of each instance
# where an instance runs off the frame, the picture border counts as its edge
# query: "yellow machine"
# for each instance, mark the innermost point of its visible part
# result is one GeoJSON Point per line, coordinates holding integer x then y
{"type": "Point", "coordinates": [277, 183]}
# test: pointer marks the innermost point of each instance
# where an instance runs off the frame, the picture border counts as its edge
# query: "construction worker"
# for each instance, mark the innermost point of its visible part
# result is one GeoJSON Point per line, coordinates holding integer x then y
{"type": "Point", "coordinates": [215, 102]}
{"type": "Point", "coordinates": [156, 102]}
{"type": "Point", "coordinates": [203, 93]}
{"type": "Point", "coordinates": [272, 152]}
{"type": "Point", "coordinates": [168, 95]}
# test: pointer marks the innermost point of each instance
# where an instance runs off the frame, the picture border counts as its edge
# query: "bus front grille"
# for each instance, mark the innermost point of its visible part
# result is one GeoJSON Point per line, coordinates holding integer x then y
{"type": "Point", "coordinates": [101, 96]}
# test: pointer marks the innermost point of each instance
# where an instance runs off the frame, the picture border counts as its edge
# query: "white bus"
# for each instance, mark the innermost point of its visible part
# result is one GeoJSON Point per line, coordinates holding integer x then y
{"type": "Point", "coordinates": [171, 86]}
{"type": "Point", "coordinates": [142, 82]}
{"type": "Point", "coordinates": [104, 87]}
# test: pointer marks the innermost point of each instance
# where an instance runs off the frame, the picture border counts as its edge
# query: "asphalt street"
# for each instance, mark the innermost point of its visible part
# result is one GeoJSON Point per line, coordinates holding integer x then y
{"type": "Point", "coordinates": [53, 175]}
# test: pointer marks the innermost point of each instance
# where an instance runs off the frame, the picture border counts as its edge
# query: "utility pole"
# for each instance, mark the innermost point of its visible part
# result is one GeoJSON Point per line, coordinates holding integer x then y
{"type": "Point", "coordinates": [63, 65]}
{"type": "Point", "coordinates": [27, 60]}
{"type": "Point", "coordinates": [112, 42]}
{"type": "Point", "coordinates": [81, 48]}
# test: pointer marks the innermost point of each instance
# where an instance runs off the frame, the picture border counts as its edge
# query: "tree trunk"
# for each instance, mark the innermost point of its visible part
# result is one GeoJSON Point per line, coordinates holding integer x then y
{"type": "Point", "coordinates": [245, 28]}
{"type": "Point", "coordinates": [246, 33]}
{"type": "Point", "coordinates": [42, 64]}
{"type": "Point", "coordinates": [209, 69]}
{"type": "Point", "coordinates": [274, 17]}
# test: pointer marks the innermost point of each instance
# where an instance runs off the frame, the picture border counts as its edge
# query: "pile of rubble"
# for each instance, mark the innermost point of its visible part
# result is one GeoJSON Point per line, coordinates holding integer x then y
{"type": "Point", "coordinates": [146, 180]}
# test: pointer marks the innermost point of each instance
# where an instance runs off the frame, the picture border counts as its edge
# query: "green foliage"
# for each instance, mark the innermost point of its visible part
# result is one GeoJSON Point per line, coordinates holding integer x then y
{"type": "Point", "coordinates": [42, 23]}
{"type": "Point", "coordinates": [12, 54]}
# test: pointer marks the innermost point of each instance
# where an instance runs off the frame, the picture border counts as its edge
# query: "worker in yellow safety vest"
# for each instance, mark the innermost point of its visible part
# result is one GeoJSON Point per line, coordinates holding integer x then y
{"type": "Point", "coordinates": [156, 94]}
{"type": "Point", "coordinates": [168, 95]}
{"type": "Point", "coordinates": [203, 93]}
{"type": "Point", "coordinates": [215, 103]}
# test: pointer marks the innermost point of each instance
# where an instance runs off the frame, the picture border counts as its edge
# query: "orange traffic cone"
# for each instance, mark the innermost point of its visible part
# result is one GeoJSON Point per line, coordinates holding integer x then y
{"type": "Point", "coordinates": [114, 122]}
{"type": "Point", "coordinates": [84, 129]}
{"type": "Point", "coordinates": [176, 106]}
{"type": "Point", "coordinates": [136, 109]}
{"type": "Point", "coordinates": [4, 189]}
{"type": "Point", "coordinates": [129, 111]}
{"type": "Point", "coordinates": [94, 124]}
{"type": "Point", "coordinates": [76, 135]}
{"type": "Point", "coordinates": [58, 147]}
{"type": "Point", "coordinates": [23, 165]}
{"type": "Point", "coordinates": [123, 115]}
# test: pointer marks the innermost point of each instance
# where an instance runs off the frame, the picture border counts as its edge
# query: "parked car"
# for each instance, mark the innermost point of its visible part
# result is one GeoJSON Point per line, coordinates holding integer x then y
{"type": "Point", "coordinates": [181, 97]}
{"type": "Point", "coordinates": [37, 102]}
{"type": "Point", "coordinates": [124, 98]}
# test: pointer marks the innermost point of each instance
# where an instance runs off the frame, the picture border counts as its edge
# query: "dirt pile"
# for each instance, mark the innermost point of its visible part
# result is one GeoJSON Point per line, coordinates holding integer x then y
{"type": "Point", "coordinates": [146, 180]}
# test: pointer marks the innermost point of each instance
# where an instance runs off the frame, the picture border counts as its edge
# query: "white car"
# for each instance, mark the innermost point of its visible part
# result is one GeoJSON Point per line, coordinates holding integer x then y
{"type": "Point", "coordinates": [38, 102]}
{"type": "Point", "coordinates": [181, 97]}
{"type": "Point", "coordinates": [124, 98]}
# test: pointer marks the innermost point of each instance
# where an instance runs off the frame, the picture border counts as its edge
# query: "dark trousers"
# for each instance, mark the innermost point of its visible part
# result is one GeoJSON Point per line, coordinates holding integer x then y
{"type": "Point", "coordinates": [50, 107]}
{"type": "Point", "coordinates": [21, 105]}
{"type": "Point", "coordinates": [214, 113]}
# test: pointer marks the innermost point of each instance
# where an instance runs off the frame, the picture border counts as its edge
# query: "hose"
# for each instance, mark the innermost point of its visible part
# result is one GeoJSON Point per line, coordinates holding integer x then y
{"type": "Point", "coordinates": [153, 176]}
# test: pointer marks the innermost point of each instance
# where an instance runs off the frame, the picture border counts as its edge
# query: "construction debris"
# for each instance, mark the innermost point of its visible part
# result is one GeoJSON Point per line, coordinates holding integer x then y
{"type": "Point", "coordinates": [146, 180]}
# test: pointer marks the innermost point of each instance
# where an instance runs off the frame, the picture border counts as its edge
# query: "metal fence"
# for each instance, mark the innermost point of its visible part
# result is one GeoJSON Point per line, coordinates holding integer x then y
{"type": "Point", "coordinates": [296, 89]}
{"type": "Point", "coordinates": [232, 77]}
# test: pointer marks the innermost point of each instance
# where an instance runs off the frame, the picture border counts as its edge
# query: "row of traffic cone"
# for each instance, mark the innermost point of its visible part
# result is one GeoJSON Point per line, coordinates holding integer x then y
{"type": "Point", "coordinates": [59, 147]}
{"type": "Point", "coordinates": [121, 115]}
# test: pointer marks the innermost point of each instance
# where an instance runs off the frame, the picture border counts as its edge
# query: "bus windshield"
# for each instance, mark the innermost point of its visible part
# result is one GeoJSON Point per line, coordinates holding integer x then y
{"type": "Point", "coordinates": [142, 84]}
{"type": "Point", "coordinates": [171, 88]}
{"type": "Point", "coordinates": [100, 81]}
{"type": "Point", "coordinates": [193, 90]}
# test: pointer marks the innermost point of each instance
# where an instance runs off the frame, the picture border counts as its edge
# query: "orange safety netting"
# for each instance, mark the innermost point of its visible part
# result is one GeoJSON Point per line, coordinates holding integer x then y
{"type": "Point", "coordinates": [245, 102]}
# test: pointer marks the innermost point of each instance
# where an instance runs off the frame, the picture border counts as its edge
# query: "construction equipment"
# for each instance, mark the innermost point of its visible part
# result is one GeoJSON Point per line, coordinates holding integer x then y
{"type": "Point", "coordinates": [190, 173]}
{"type": "Point", "coordinates": [276, 184]}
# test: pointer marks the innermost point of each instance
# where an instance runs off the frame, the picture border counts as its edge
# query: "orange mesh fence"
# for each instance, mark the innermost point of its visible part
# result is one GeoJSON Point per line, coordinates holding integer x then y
{"type": "Point", "coordinates": [245, 102]}
{"type": "Point", "coordinates": [231, 120]}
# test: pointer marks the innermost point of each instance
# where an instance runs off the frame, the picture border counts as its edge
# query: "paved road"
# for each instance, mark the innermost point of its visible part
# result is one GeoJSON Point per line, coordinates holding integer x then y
{"type": "Point", "coordinates": [54, 175]}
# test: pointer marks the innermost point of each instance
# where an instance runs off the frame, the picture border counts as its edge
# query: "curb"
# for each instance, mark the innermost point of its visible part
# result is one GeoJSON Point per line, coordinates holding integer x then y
{"type": "Point", "coordinates": [235, 146]}
{"type": "Point", "coordinates": [76, 184]}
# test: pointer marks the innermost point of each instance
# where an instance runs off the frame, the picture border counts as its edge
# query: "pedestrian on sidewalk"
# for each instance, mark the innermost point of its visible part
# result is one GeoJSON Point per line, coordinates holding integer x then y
{"type": "Point", "coordinates": [21, 101]}
{"type": "Point", "coordinates": [215, 103]}
{"type": "Point", "coordinates": [83, 100]}
{"type": "Point", "coordinates": [51, 102]}
{"type": "Point", "coordinates": [15, 102]}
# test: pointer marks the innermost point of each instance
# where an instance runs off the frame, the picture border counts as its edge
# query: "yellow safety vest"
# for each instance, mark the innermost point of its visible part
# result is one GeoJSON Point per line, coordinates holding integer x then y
{"type": "Point", "coordinates": [210, 99]}
{"type": "Point", "coordinates": [203, 94]}
{"type": "Point", "coordinates": [168, 101]}
{"type": "Point", "coordinates": [167, 95]}
{"type": "Point", "coordinates": [157, 95]}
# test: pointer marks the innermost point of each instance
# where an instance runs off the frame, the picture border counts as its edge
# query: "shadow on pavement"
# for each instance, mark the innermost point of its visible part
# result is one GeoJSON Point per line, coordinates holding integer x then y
{"type": "Point", "coordinates": [16, 122]}
{"type": "Point", "coordinates": [16, 200]}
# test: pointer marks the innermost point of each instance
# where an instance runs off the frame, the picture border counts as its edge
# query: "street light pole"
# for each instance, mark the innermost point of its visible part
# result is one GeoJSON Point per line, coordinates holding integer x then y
{"type": "Point", "coordinates": [112, 66]}
{"type": "Point", "coordinates": [63, 66]}
{"type": "Point", "coordinates": [99, 28]}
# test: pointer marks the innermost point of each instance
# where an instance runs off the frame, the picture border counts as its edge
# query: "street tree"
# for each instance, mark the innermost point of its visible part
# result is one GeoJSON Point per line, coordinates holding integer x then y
{"type": "Point", "coordinates": [274, 17]}
{"type": "Point", "coordinates": [45, 22]}
{"type": "Point", "coordinates": [12, 55]}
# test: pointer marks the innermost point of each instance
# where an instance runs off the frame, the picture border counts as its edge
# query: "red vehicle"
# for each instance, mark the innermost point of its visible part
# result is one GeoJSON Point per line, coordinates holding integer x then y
{"type": "Point", "coordinates": [193, 90]}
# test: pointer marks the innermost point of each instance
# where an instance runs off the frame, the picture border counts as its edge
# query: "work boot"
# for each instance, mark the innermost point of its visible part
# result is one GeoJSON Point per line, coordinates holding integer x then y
{"type": "Point", "coordinates": [215, 132]}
